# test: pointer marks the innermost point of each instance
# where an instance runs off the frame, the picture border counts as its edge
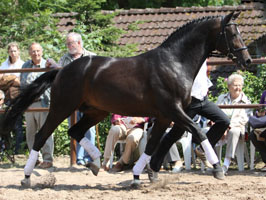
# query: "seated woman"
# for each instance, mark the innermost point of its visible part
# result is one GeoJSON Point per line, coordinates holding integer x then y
{"type": "Point", "coordinates": [259, 138]}
{"type": "Point", "coordinates": [123, 127]}
{"type": "Point", "coordinates": [238, 117]}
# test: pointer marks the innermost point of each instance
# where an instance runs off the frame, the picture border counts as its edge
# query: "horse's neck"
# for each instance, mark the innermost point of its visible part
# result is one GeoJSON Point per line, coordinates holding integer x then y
{"type": "Point", "coordinates": [192, 49]}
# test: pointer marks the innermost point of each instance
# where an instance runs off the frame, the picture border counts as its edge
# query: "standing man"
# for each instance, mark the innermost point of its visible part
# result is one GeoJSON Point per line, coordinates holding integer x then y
{"type": "Point", "coordinates": [35, 120]}
{"type": "Point", "coordinates": [75, 48]}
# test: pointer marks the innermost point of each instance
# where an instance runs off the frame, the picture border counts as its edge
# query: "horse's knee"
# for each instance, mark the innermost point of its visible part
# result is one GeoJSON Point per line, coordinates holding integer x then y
{"type": "Point", "coordinates": [74, 134]}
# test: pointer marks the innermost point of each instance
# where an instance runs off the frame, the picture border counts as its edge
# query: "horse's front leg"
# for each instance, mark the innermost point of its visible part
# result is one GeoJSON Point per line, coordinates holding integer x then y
{"type": "Point", "coordinates": [183, 120]}
{"type": "Point", "coordinates": [160, 125]}
{"type": "Point", "coordinates": [168, 140]}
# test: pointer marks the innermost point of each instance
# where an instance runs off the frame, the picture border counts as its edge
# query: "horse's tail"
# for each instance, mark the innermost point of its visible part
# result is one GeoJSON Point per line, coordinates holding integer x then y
{"type": "Point", "coordinates": [27, 96]}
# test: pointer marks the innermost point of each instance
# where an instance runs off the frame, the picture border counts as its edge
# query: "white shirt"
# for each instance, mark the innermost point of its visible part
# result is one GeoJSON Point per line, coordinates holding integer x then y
{"type": "Point", "coordinates": [17, 65]}
{"type": "Point", "coordinates": [201, 83]}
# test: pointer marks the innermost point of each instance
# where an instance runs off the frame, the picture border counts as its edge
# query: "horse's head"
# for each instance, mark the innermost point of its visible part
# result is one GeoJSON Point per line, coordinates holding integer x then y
{"type": "Point", "coordinates": [230, 41]}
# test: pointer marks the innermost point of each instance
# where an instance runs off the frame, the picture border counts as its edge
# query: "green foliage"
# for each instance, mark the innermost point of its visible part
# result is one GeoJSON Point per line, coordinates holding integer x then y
{"type": "Point", "coordinates": [103, 128]}
{"type": "Point", "coordinates": [61, 139]}
{"type": "Point", "coordinates": [254, 85]}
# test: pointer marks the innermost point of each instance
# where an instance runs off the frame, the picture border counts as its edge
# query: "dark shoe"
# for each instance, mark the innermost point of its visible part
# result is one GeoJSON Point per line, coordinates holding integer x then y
{"type": "Point", "coordinates": [201, 155]}
{"type": "Point", "coordinates": [153, 176]}
{"type": "Point", "coordinates": [263, 169]}
{"type": "Point", "coordinates": [45, 165]}
{"type": "Point", "coordinates": [218, 171]}
{"type": "Point", "coordinates": [118, 167]}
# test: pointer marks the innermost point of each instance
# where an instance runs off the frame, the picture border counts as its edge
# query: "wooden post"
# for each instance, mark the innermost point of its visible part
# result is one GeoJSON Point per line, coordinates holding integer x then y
{"type": "Point", "coordinates": [73, 143]}
{"type": "Point", "coordinates": [98, 136]}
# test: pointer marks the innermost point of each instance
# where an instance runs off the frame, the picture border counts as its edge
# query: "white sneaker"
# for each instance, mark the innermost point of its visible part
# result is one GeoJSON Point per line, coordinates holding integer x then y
{"type": "Point", "coordinates": [176, 169]}
{"type": "Point", "coordinates": [201, 155]}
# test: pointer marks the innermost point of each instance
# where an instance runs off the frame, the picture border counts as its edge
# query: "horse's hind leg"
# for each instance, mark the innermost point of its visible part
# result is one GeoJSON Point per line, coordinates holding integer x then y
{"type": "Point", "coordinates": [168, 140]}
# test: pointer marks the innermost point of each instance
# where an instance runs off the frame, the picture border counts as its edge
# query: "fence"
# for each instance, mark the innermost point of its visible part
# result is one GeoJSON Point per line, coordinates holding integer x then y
{"type": "Point", "coordinates": [74, 115]}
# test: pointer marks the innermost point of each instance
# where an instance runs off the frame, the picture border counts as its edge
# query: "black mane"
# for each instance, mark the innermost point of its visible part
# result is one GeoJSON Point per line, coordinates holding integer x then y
{"type": "Point", "coordinates": [183, 30]}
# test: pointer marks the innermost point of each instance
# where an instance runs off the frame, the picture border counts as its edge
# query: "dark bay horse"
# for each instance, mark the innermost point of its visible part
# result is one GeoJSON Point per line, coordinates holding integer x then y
{"type": "Point", "coordinates": [154, 84]}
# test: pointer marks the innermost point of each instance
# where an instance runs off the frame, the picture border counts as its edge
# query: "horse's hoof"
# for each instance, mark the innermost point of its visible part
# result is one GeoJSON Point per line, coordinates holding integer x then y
{"type": "Point", "coordinates": [218, 172]}
{"type": "Point", "coordinates": [153, 176]}
{"type": "Point", "coordinates": [25, 182]}
{"type": "Point", "coordinates": [135, 183]}
{"type": "Point", "coordinates": [94, 168]}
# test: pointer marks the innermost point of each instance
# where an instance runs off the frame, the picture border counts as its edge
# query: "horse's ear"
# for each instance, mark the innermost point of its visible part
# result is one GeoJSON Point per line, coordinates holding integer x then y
{"type": "Point", "coordinates": [236, 15]}
{"type": "Point", "coordinates": [227, 18]}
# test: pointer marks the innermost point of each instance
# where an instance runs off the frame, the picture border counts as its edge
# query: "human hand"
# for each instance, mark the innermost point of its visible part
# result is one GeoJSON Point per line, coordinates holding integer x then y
{"type": "Point", "coordinates": [50, 63]}
{"type": "Point", "coordinates": [261, 113]}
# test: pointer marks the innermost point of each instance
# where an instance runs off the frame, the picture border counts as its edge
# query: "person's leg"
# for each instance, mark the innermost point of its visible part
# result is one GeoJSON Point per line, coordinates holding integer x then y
{"type": "Point", "coordinates": [232, 141]}
{"type": "Point", "coordinates": [31, 129]}
{"type": "Point", "coordinates": [48, 147]}
{"type": "Point", "coordinates": [79, 149]}
{"type": "Point", "coordinates": [90, 134]}
{"type": "Point", "coordinates": [132, 142]}
{"type": "Point", "coordinates": [260, 146]}
{"type": "Point", "coordinates": [115, 133]}
{"type": "Point", "coordinates": [221, 121]}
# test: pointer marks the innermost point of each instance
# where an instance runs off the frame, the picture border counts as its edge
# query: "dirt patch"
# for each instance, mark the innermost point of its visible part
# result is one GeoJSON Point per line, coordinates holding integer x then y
{"type": "Point", "coordinates": [79, 183]}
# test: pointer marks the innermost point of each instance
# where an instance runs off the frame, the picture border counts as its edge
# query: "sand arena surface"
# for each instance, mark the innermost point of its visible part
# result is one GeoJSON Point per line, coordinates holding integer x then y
{"type": "Point", "coordinates": [78, 183]}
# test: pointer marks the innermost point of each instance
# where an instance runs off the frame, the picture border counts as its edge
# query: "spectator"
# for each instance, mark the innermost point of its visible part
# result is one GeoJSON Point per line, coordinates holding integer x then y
{"type": "Point", "coordinates": [35, 120]}
{"type": "Point", "coordinates": [10, 83]}
{"type": "Point", "coordinates": [75, 48]}
{"type": "Point", "coordinates": [258, 136]}
{"type": "Point", "coordinates": [123, 128]}
{"type": "Point", "coordinates": [238, 117]}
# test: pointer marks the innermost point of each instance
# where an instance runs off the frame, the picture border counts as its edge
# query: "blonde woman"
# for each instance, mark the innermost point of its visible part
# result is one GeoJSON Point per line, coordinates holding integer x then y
{"type": "Point", "coordinates": [10, 83]}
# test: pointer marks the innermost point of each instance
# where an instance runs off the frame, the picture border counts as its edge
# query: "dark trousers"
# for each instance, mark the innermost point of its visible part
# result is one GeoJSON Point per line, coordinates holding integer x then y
{"type": "Point", "coordinates": [260, 145]}
{"type": "Point", "coordinates": [204, 108]}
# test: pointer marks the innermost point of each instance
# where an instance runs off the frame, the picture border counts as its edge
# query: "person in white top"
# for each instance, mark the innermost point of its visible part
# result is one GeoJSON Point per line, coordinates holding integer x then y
{"type": "Point", "coordinates": [13, 61]}
{"type": "Point", "coordinates": [10, 83]}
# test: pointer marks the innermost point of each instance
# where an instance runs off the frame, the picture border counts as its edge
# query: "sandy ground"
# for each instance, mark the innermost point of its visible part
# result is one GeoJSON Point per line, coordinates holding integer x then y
{"type": "Point", "coordinates": [78, 183]}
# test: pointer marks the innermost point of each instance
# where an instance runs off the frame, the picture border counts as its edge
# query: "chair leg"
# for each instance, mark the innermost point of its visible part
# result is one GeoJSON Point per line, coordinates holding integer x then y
{"type": "Point", "coordinates": [252, 155]}
{"type": "Point", "coordinates": [240, 155]}
{"type": "Point", "coordinates": [186, 146]}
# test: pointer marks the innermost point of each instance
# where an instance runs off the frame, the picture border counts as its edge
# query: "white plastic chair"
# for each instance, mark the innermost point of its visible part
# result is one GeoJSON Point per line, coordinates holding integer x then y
{"type": "Point", "coordinates": [186, 142]}
{"type": "Point", "coordinates": [252, 155]}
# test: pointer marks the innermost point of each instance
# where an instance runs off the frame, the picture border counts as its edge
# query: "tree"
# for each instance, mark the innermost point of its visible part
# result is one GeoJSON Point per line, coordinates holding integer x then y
{"type": "Point", "coordinates": [127, 4]}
